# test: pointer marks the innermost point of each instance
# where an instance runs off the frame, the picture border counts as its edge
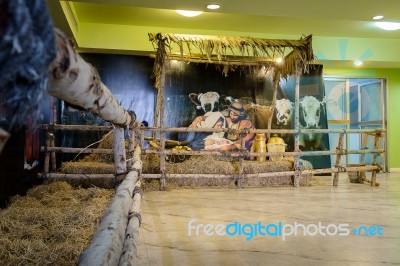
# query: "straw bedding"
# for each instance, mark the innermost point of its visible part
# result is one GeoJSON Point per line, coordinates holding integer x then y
{"type": "Point", "coordinates": [86, 167]}
{"type": "Point", "coordinates": [194, 165]}
{"type": "Point", "coordinates": [51, 225]}
{"type": "Point", "coordinates": [217, 165]}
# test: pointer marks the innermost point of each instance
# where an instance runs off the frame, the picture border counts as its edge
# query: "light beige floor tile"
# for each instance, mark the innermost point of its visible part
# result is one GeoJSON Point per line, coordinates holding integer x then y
{"type": "Point", "coordinates": [164, 235]}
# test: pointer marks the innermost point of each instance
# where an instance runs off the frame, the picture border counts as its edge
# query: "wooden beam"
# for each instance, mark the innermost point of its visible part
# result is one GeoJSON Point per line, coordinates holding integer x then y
{"type": "Point", "coordinates": [75, 81]}
{"type": "Point", "coordinates": [106, 245]}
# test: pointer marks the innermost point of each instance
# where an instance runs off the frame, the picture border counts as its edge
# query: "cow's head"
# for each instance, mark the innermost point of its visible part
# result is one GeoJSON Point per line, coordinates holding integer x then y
{"type": "Point", "coordinates": [311, 108]}
{"type": "Point", "coordinates": [207, 102]}
{"type": "Point", "coordinates": [284, 108]}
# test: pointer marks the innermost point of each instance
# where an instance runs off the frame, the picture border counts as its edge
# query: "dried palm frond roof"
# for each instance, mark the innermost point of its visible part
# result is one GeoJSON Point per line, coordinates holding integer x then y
{"type": "Point", "coordinates": [233, 51]}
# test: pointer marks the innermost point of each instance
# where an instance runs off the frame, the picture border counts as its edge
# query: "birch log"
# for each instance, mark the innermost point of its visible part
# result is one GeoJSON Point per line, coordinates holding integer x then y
{"type": "Point", "coordinates": [106, 245]}
{"type": "Point", "coordinates": [129, 251]}
{"type": "Point", "coordinates": [338, 159]}
{"type": "Point", "coordinates": [296, 181]}
{"type": "Point", "coordinates": [119, 151]}
{"type": "Point", "coordinates": [77, 82]}
{"type": "Point", "coordinates": [53, 153]}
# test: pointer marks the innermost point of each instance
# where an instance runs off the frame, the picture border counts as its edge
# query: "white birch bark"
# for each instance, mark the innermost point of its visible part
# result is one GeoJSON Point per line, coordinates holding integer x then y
{"type": "Point", "coordinates": [77, 82]}
{"type": "Point", "coordinates": [129, 251]}
{"type": "Point", "coordinates": [106, 245]}
{"type": "Point", "coordinates": [119, 151]}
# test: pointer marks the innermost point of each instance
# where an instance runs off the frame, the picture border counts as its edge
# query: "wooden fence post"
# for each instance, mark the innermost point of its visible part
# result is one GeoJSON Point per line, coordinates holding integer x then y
{"type": "Point", "coordinates": [374, 161]}
{"type": "Point", "coordinates": [339, 151]}
{"type": "Point", "coordinates": [119, 154]}
{"type": "Point", "coordinates": [53, 153]}
{"type": "Point", "coordinates": [296, 179]}
{"type": "Point", "coordinates": [46, 165]}
{"type": "Point", "coordinates": [131, 149]}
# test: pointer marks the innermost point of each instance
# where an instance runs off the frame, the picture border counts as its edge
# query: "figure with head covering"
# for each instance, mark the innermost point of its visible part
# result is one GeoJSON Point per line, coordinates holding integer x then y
{"type": "Point", "coordinates": [238, 121]}
{"type": "Point", "coordinates": [208, 120]}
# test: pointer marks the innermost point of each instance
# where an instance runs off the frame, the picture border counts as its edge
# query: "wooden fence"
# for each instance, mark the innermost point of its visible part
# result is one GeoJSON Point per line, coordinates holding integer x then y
{"type": "Point", "coordinates": [138, 135]}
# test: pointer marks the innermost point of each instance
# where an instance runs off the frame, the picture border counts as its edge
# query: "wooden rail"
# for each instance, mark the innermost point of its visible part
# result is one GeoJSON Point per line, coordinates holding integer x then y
{"type": "Point", "coordinates": [115, 239]}
{"type": "Point", "coordinates": [160, 145]}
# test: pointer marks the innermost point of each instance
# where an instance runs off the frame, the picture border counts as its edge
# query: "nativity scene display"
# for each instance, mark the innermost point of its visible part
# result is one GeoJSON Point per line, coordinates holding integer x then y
{"type": "Point", "coordinates": [237, 84]}
{"type": "Point", "coordinates": [244, 102]}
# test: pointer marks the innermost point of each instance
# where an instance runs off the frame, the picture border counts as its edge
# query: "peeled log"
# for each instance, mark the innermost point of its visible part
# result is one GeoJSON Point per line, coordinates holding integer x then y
{"type": "Point", "coordinates": [77, 82]}
{"type": "Point", "coordinates": [106, 246]}
{"type": "Point", "coordinates": [129, 251]}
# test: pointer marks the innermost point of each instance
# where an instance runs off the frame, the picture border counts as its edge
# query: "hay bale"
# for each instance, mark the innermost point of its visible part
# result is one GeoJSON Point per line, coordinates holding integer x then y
{"type": "Point", "coordinates": [307, 180]}
{"type": "Point", "coordinates": [52, 224]}
{"type": "Point", "coordinates": [95, 157]}
{"type": "Point", "coordinates": [201, 165]}
{"type": "Point", "coordinates": [87, 167]}
{"type": "Point", "coordinates": [151, 164]}
{"type": "Point", "coordinates": [254, 167]}
{"type": "Point", "coordinates": [84, 168]}
{"type": "Point", "coordinates": [106, 142]}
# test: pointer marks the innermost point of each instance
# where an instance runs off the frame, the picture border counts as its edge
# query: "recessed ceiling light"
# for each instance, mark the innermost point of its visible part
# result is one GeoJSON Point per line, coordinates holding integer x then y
{"type": "Point", "coordinates": [189, 13]}
{"type": "Point", "coordinates": [377, 17]}
{"type": "Point", "coordinates": [279, 60]}
{"type": "Point", "coordinates": [388, 25]}
{"type": "Point", "coordinates": [213, 6]}
{"type": "Point", "coordinates": [358, 63]}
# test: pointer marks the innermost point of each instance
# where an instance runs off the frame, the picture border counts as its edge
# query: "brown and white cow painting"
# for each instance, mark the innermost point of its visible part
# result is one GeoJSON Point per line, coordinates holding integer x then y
{"type": "Point", "coordinates": [282, 119]}
{"type": "Point", "coordinates": [205, 102]}
{"type": "Point", "coordinates": [311, 112]}
{"type": "Point", "coordinates": [284, 110]}
{"type": "Point", "coordinates": [258, 114]}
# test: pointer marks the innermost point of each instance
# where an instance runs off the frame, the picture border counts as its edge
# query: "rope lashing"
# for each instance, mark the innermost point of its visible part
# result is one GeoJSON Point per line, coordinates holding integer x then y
{"type": "Point", "coordinates": [137, 215]}
{"type": "Point", "coordinates": [137, 189]}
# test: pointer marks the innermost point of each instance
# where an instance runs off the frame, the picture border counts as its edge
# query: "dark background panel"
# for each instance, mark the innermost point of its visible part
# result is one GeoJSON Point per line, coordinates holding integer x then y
{"type": "Point", "coordinates": [311, 84]}
{"type": "Point", "coordinates": [129, 78]}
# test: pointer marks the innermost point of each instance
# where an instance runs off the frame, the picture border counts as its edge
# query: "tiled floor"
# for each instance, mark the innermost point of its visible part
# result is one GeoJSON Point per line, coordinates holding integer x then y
{"type": "Point", "coordinates": [164, 235]}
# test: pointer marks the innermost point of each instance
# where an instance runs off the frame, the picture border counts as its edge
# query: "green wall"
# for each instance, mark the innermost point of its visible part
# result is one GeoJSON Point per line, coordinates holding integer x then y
{"type": "Point", "coordinates": [393, 106]}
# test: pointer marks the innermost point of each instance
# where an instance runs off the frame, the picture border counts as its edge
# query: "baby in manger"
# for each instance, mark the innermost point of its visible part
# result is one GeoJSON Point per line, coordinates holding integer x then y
{"type": "Point", "coordinates": [234, 118]}
{"type": "Point", "coordinates": [207, 140]}
{"type": "Point", "coordinates": [216, 140]}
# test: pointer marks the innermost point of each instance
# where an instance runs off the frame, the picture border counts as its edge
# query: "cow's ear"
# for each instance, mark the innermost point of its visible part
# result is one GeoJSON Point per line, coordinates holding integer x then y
{"type": "Point", "coordinates": [226, 99]}
{"type": "Point", "coordinates": [194, 98]}
{"type": "Point", "coordinates": [224, 102]}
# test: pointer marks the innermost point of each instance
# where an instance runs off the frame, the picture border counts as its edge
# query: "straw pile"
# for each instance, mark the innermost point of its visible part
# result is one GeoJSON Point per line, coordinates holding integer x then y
{"type": "Point", "coordinates": [201, 165]}
{"type": "Point", "coordinates": [255, 167]}
{"type": "Point", "coordinates": [194, 165]}
{"type": "Point", "coordinates": [52, 224]}
{"type": "Point", "coordinates": [107, 142]}
{"type": "Point", "coordinates": [217, 165]}
{"type": "Point", "coordinates": [87, 167]}
{"type": "Point", "coordinates": [151, 164]}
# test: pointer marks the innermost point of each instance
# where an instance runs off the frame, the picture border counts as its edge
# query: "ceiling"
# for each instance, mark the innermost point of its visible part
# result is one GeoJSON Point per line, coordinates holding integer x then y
{"type": "Point", "coordinates": [342, 30]}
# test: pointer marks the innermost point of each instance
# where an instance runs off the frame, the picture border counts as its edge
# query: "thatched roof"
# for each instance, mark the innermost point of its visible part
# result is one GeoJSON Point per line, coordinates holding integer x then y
{"type": "Point", "coordinates": [232, 52]}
